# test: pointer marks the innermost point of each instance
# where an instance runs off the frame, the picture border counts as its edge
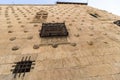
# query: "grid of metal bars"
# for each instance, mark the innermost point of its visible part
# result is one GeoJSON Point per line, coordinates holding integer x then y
{"type": "Point", "coordinates": [25, 65]}
{"type": "Point", "coordinates": [53, 30]}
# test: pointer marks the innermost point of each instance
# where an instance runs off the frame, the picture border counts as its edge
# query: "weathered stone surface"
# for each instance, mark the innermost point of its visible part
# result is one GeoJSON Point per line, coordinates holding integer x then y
{"type": "Point", "coordinates": [36, 46]}
{"type": "Point", "coordinates": [54, 45]}
{"type": "Point", "coordinates": [91, 51]}
{"type": "Point", "coordinates": [14, 48]}
{"type": "Point", "coordinates": [12, 38]}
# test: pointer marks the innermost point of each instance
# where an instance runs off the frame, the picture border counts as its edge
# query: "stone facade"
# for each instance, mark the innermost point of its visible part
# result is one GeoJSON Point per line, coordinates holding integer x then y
{"type": "Point", "coordinates": [91, 51]}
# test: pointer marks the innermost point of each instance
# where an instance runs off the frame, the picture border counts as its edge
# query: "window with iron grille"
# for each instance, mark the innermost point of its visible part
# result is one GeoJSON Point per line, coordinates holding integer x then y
{"type": "Point", "coordinates": [25, 65]}
{"type": "Point", "coordinates": [53, 30]}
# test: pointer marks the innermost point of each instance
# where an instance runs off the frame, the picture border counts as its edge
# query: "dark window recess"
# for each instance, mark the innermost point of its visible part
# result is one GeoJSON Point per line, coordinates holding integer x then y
{"type": "Point", "coordinates": [53, 30]}
{"type": "Point", "coordinates": [94, 15]}
{"type": "Point", "coordinates": [25, 65]}
{"type": "Point", "coordinates": [41, 14]}
{"type": "Point", "coordinates": [117, 22]}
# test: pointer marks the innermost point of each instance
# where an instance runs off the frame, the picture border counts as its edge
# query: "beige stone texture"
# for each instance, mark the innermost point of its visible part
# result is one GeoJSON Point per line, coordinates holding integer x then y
{"type": "Point", "coordinates": [90, 52]}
